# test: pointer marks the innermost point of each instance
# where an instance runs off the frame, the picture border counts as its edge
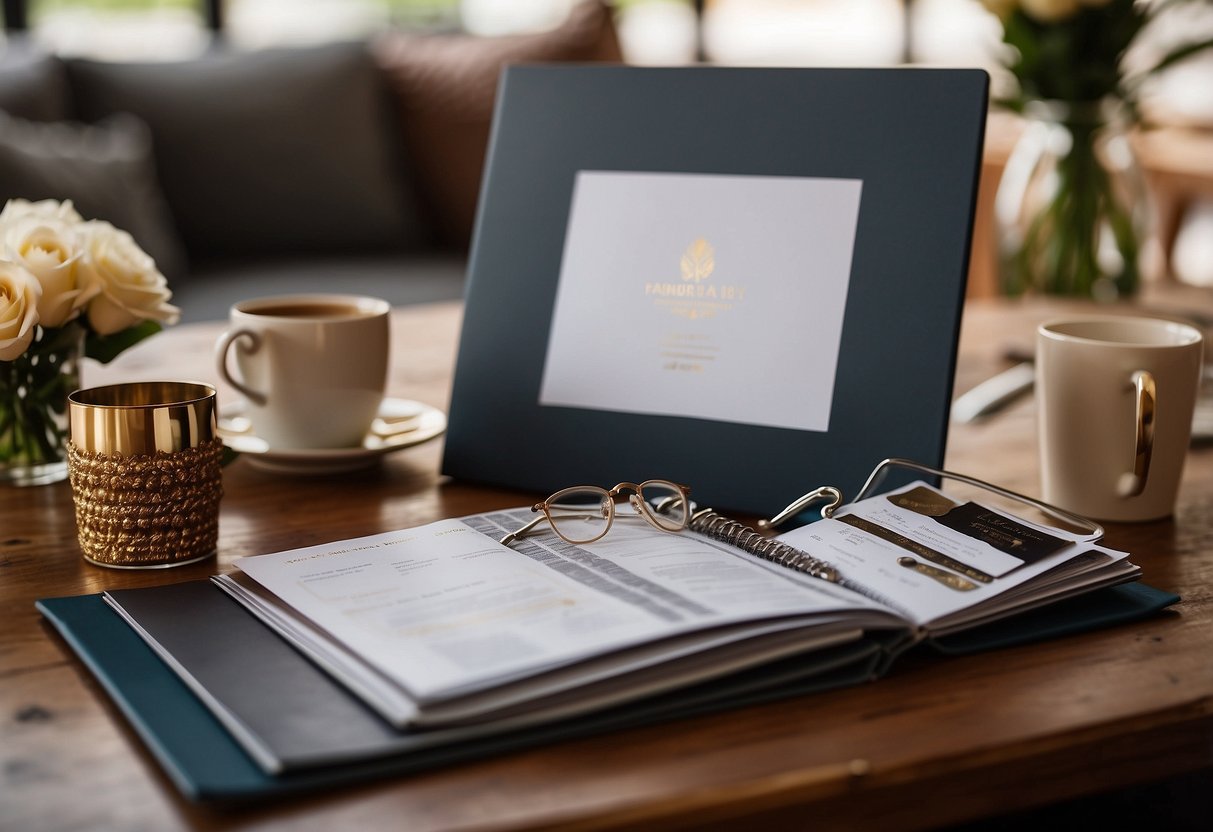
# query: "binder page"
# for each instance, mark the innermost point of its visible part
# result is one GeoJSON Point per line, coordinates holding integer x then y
{"type": "Point", "coordinates": [931, 558]}
{"type": "Point", "coordinates": [444, 610]}
{"type": "Point", "coordinates": [586, 685]}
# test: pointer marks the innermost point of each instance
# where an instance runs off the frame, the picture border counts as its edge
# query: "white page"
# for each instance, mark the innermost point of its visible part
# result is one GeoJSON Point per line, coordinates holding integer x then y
{"type": "Point", "coordinates": [444, 610]}
{"type": "Point", "coordinates": [719, 577]}
{"type": "Point", "coordinates": [680, 289]}
{"type": "Point", "coordinates": [661, 665]}
{"type": "Point", "coordinates": [1095, 567]}
{"type": "Point", "coordinates": [875, 564]}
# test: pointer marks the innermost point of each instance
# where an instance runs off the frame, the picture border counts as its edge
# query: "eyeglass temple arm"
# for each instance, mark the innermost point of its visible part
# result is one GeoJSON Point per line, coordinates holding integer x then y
{"type": "Point", "coordinates": [514, 535]}
{"type": "Point", "coordinates": [881, 471]}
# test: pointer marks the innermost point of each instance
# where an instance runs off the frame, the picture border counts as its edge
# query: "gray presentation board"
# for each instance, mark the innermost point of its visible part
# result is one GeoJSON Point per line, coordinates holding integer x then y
{"type": "Point", "coordinates": [584, 141]}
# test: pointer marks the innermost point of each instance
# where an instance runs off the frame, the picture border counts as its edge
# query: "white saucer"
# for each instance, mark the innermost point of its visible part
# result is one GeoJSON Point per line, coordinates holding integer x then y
{"type": "Point", "coordinates": [399, 424]}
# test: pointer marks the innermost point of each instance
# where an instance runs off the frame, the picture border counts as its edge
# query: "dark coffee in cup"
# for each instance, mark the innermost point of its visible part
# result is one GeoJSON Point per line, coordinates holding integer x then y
{"type": "Point", "coordinates": [312, 368]}
{"type": "Point", "coordinates": [311, 310]}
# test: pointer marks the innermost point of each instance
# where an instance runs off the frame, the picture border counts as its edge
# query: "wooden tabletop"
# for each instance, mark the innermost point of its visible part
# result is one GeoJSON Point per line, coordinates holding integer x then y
{"type": "Point", "coordinates": [940, 740]}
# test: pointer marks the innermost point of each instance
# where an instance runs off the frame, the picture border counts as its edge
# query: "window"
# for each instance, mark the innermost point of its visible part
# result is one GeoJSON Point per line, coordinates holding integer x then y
{"type": "Point", "coordinates": [126, 29]}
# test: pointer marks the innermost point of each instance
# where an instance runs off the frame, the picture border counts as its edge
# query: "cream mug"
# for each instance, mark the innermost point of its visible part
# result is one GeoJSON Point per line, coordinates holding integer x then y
{"type": "Point", "coordinates": [1115, 398]}
{"type": "Point", "coordinates": [312, 368]}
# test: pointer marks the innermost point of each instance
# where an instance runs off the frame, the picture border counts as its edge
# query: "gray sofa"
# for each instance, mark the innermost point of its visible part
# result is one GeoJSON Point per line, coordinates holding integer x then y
{"type": "Point", "coordinates": [347, 167]}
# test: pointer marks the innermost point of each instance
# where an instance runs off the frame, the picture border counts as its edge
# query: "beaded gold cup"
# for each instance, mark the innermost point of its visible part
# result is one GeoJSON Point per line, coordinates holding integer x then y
{"type": "Point", "coordinates": [143, 460]}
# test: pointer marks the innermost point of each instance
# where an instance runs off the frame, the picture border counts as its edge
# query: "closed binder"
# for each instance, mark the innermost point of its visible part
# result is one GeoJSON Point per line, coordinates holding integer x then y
{"type": "Point", "coordinates": [663, 253]}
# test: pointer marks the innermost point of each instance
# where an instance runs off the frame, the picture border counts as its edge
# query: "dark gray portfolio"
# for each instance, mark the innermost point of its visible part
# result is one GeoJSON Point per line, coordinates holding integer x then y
{"type": "Point", "coordinates": [913, 137]}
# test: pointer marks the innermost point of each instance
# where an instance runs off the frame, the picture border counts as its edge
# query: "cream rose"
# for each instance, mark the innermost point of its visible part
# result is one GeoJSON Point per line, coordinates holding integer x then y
{"type": "Point", "coordinates": [16, 209]}
{"type": "Point", "coordinates": [50, 249]}
{"type": "Point", "coordinates": [19, 292]}
{"type": "Point", "coordinates": [128, 287]}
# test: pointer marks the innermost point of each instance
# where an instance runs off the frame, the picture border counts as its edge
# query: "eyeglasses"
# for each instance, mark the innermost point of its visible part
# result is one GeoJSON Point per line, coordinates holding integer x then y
{"type": "Point", "coordinates": [584, 513]}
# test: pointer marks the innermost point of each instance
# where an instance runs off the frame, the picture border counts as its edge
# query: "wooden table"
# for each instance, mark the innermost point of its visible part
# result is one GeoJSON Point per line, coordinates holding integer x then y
{"type": "Point", "coordinates": [941, 740]}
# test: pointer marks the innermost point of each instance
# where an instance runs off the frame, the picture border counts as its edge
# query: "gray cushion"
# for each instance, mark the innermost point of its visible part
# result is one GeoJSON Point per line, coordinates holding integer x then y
{"type": "Point", "coordinates": [279, 151]}
{"type": "Point", "coordinates": [398, 278]}
{"type": "Point", "coordinates": [106, 169]}
{"type": "Point", "coordinates": [33, 85]}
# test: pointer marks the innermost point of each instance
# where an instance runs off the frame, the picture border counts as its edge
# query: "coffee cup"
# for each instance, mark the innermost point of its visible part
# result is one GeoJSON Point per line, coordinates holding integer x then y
{"type": "Point", "coordinates": [1115, 398]}
{"type": "Point", "coordinates": [312, 368]}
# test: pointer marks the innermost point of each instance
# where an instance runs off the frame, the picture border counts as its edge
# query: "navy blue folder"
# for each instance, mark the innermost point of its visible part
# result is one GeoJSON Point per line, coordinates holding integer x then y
{"type": "Point", "coordinates": [912, 136]}
{"type": "Point", "coordinates": [207, 763]}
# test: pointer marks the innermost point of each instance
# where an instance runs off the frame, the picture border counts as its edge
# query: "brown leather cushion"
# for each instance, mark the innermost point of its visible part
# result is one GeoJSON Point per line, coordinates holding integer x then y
{"type": "Point", "coordinates": [446, 85]}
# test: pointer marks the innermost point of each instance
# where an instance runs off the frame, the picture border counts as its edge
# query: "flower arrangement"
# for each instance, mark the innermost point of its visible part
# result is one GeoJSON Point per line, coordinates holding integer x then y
{"type": "Point", "coordinates": [66, 285]}
{"type": "Point", "coordinates": [1074, 215]}
{"type": "Point", "coordinates": [1073, 50]}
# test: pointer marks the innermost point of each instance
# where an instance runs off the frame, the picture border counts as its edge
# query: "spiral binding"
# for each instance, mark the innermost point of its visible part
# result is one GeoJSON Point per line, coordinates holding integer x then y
{"type": "Point", "coordinates": [735, 533]}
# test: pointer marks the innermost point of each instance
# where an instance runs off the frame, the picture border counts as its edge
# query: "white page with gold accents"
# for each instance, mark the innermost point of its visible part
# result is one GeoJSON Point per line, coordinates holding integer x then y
{"type": "Point", "coordinates": [703, 296]}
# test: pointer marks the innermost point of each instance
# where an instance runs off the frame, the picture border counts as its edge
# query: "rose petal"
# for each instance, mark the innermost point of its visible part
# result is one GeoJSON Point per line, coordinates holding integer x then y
{"type": "Point", "coordinates": [107, 317]}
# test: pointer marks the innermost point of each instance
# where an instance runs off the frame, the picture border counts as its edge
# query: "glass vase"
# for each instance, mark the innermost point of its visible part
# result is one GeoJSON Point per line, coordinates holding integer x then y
{"type": "Point", "coordinates": [1072, 209]}
{"type": "Point", "coordinates": [33, 407]}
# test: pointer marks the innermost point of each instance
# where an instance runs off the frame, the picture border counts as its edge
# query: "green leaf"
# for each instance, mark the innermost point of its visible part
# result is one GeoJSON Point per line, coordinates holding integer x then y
{"type": "Point", "coordinates": [105, 348]}
{"type": "Point", "coordinates": [57, 340]}
{"type": "Point", "coordinates": [1013, 103]}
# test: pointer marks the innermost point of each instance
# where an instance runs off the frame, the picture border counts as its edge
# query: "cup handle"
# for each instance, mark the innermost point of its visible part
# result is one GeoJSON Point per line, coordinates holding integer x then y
{"type": "Point", "coordinates": [223, 345]}
{"type": "Point", "coordinates": [1131, 485]}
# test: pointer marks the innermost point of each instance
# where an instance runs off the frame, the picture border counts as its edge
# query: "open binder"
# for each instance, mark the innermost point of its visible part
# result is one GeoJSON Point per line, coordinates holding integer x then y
{"type": "Point", "coordinates": [206, 680]}
{"type": "Point", "coordinates": [713, 524]}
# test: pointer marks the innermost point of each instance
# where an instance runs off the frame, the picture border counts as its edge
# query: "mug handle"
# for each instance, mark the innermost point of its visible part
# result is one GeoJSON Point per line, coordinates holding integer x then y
{"type": "Point", "coordinates": [1144, 394]}
{"type": "Point", "coordinates": [223, 345]}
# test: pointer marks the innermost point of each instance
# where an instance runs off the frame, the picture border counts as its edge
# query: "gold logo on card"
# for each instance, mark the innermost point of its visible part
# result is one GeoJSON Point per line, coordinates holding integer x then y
{"type": "Point", "coordinates": [696, 296]}
{"type": "Point", "coordinates": [698, 261]}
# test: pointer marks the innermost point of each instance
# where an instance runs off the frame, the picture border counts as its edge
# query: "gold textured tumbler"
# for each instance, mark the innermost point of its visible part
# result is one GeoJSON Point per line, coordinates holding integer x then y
{"type": "Point", "coordinates": [143, 461]}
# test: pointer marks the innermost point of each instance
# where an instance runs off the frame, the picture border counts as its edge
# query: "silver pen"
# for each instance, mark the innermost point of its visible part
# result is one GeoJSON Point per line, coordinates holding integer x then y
{"type": "Point", "coordinates": [994, 393]}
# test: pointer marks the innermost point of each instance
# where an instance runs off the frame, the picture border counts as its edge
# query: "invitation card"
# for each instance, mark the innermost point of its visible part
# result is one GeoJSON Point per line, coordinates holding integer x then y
{"type": "Point", "coordinates": [703, 296]}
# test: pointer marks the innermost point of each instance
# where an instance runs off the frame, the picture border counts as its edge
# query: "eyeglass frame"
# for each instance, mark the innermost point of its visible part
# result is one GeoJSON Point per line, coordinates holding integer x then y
{"type": "Point", "coordinates": [646, 512]}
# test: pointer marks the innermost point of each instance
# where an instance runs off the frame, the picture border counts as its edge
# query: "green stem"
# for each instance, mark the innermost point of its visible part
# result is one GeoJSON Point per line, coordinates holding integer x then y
{"type": "Point", "coordinates": [33, 398]}
{"type": "Point", "coordinates": [1077, 229]}
{"type": "Point", "coordinates": [1060, 251]}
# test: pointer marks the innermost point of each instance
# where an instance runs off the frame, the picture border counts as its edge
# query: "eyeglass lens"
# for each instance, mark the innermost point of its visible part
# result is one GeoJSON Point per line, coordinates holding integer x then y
{"type": "Point", "coordinates": [583, 514]}
{"type": "Point", "coordinates": [580, 515]}
{"type": "Point", "coordinates": [671, 506]}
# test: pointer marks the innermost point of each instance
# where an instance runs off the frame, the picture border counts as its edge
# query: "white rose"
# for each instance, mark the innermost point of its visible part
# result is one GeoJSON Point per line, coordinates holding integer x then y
{"type": "Point", "coordinates": [19, 291]}
{"type": "Point", "coordinates": [52, 209]}
{"type": "Point", "coordinates": [1049, 11]}
{"type": "Point", "coordinates": [129, 288]}
{"type": "Point", "coordinates": [50, 249]}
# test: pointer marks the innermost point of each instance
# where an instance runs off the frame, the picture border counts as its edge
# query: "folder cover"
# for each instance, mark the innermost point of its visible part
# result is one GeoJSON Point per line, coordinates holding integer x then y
{"type": "Point", "coordinates": [207, 762]}
{"type": "Point", "coordinates": [746, 280]}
